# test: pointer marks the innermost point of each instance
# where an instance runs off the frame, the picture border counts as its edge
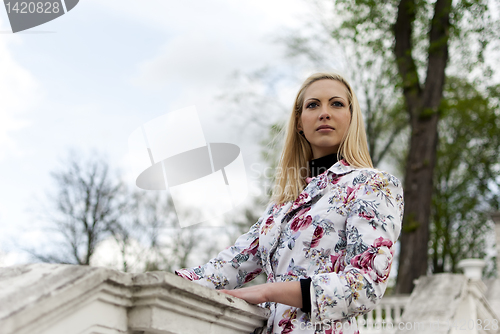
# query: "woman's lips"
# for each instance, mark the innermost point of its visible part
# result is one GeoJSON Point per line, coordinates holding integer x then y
{"type": "Point", "coordinates": [325, 130]}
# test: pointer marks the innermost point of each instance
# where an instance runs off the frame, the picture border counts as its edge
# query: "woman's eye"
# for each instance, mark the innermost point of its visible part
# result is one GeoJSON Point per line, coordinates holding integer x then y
{"type": "Point", "coordinates": [338, 104]}
{"type": "Point", "coordinates": [312, 105]}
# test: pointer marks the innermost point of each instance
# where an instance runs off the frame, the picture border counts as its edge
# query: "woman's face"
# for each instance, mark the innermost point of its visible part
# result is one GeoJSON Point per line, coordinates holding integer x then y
{"type": "Point", "coordinates": [325, 116]}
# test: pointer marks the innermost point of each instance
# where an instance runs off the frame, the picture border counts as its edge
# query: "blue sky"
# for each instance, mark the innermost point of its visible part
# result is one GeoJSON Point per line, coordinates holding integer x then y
{"type": "Point", "coordinates": [89, 78]}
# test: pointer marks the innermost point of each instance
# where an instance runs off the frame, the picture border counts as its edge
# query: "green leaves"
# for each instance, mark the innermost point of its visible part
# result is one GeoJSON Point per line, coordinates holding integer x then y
{"type": "Point", "coordinates": [466, 174]}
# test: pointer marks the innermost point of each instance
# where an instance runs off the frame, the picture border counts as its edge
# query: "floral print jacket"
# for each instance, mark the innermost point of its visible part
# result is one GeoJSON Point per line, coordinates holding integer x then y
{"type": "Point", "coordinates": [340, 232]}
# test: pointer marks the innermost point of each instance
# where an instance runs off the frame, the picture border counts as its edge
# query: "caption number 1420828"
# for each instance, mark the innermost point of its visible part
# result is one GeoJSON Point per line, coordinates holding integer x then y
{"type": "Point", "coordinates": [33, 7]}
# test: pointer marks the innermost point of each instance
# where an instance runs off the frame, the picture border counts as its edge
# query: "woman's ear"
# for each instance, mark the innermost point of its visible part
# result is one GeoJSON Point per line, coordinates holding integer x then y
{"type": "Point", "coordinates": [299, 126]}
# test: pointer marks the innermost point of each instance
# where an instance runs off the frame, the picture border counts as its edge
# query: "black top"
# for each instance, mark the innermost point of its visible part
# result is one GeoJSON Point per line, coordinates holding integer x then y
{"type": "Point", "coordinates": [321, 165]}
{"type": "Point", "coordinates": [316, 167]}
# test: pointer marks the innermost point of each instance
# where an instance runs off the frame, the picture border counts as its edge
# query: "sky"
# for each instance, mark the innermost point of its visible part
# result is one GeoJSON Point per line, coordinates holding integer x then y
{"type": "Point", "coordinates": [86, 80]}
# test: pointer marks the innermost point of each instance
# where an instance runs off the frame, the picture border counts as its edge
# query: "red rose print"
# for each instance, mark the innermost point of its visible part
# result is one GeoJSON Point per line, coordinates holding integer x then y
{"type": "Point", "coordinates": [252, 275]}
{"type": "Point", "coordinates": [301, 199]}
{"type": "Point", "coordinates": [286, 321]}
{"type": "Point", "coordinates": [252, 249]}
{"type": "Point", "coordinates": [301, 221]}
{"type": "Point", "coordinates": [323, 181]}
{"type": "Point", "coordinates": [379, 242]}
{"type": "Point", "coordinates": [348, 195]}
{"type": "Point", "coordinates": [318, 234]}
{"type": "Point", "coordinates": [338, 261]}
{"type": "Point", "coordinates": [267, 225]}
{"type": "Point", "coordinates": [367, 215]}
{"type": "Point", "coordinates": [376, 260]}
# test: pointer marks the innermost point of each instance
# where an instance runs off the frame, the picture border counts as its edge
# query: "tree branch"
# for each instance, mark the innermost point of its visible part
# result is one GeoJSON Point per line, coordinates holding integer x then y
{"type": "Point", "coordinates": [438, 56]}
{"type": "Point", "coordinates": [403, 51]}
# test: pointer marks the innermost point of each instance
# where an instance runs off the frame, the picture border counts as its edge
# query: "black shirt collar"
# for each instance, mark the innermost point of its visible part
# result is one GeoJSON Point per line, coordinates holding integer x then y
{"type": "Point", "coordinates": [321, 165]}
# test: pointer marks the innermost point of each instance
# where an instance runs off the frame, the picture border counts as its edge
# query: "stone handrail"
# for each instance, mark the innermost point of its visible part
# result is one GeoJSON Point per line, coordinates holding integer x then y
{"type": "Point", "coordinates": [65, 299]}
{"type": "Point", "coordinates": [449, 304]}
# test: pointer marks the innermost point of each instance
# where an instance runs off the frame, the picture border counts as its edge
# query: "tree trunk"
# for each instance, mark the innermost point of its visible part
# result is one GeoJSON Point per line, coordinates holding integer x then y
{"type": "Point", "coordinates": [418, 194]}
{"type": "Point", "coordinates": [422, 105]}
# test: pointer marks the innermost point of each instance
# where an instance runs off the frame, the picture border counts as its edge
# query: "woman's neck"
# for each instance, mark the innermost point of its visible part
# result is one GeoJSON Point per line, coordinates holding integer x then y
{"type": "Point", "coordinates": [321, 165]}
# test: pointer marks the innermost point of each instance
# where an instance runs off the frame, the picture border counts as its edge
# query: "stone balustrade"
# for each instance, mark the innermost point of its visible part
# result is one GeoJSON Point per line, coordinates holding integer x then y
{"type": "Point", "coordinates": [64, 299]}
{"type": "Point", "coordinates": [451, 304]}
{"type": "Point", "coordinates": [385, 317]}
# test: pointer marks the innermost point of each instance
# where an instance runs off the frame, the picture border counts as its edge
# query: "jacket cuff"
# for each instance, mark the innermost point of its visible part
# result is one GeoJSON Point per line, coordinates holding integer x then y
{"type": "Point", "coordinates": [327, 297]}
{"type": "Point", "coordinates": [305, 287]}
{"type": "Point", "coordinates": [188, 274]}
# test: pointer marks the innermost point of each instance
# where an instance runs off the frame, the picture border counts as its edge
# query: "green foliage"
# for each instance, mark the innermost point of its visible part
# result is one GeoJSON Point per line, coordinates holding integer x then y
{"type": "Point", "coordinates": [466, 175]}
{"type": "Point", "coordinates": [369, 25]}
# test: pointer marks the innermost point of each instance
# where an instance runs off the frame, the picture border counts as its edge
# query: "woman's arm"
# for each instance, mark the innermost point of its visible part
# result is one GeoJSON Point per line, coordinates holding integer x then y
{"type": "Point", "coordinates": [288, 293]}
{"type": "Point", "coordinates": [232, 267]}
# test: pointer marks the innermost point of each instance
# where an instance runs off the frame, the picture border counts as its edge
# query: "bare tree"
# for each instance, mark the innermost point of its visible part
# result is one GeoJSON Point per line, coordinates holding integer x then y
{"type": "Point", "coordinates": [91, 205]}
{"type": "Point", "coordinates": [150, 238]}
{"type": "Point", "coordinates": [166, 246]}
{"type": "Point", "coordinates": [87, 206]}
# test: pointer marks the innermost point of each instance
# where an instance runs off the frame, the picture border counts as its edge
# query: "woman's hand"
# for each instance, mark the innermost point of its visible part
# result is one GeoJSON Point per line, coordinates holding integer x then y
{"type": "Point", "coordinates": [288, 293]}
{"type": "Point", "coordinates": [254, 294]}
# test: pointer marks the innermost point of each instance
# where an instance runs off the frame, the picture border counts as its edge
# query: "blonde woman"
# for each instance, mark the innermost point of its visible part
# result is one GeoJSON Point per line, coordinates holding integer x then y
{"type": "Point", "coordinates": [326, 240]}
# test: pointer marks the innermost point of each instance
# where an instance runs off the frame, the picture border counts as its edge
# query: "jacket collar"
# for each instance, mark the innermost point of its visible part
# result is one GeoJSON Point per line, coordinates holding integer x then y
{"type": "Point", "coordinates": [313, 189]}
{"type": "Point", "coordinates": [341, 167]}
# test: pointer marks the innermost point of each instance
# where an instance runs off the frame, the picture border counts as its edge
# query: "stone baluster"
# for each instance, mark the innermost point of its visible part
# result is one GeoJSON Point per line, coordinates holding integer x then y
{"type": "Point", "coordinates": [397, 313]}
{"type": "Point", "coordinates": [369, 320]}
{"type": "Point", "coordinates": [361, 322]}
{"type": "Point", "coordinates": [495, 216]}
{"type": "Point", "coordinates": [378, 316]}
{"type": "Point", "coordinates": [388, 313]}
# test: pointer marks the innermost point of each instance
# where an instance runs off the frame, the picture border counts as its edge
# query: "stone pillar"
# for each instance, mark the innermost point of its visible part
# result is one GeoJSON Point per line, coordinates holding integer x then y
{"type": "Point", "coordinates": [473, 268]}
{"type": "Point", "coordinates": [495, 216]}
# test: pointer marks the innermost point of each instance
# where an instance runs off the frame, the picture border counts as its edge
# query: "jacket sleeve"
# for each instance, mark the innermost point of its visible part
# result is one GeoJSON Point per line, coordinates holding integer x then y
{"type": "Point", "coordinates": [374, 208]}
{"type": "Point", "coordinates": [234, 266]}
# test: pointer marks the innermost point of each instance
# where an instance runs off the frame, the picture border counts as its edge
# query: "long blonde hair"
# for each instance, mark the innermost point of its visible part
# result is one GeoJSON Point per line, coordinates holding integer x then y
{"type": "Point", "coordinates": [293, 164]}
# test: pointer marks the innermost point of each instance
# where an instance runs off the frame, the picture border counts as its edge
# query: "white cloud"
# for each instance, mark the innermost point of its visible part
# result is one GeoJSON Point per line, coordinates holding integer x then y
{"type": "Point", "coordinates": [19, 92]}
{"type": "Point", "coordinates": [202, 59]}
{"type": "Point", "coordinates": [197, 43]}
{"type": "Point", "coordinates": [175, 16]}
{"type": "Point", "coordinates": [204, 41]}
{"type": "Point", "coordinates": [189, 58]}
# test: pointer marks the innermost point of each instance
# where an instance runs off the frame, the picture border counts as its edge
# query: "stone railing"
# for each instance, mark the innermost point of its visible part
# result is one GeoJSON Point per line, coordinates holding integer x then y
{"type": "Point", "coordinates": [385, 317]}
{"type": "Point", "coordinates": [441, 303]}
{"type": "Point", "coordinates": [63, 299]}
{"type": "Point", "coordinates": [449, 304]}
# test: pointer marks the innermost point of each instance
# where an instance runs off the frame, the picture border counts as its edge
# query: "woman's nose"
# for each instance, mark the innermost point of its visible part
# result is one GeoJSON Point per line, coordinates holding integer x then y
{"type": "Point", "coordinates": [324, 115]}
